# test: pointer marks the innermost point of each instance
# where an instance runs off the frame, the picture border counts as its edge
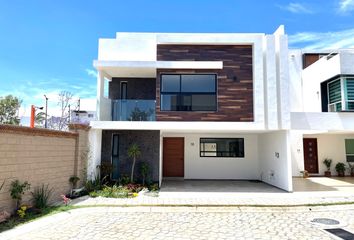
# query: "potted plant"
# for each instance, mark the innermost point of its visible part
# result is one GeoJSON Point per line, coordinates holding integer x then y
{"type": "Point", "coordinates": [340, 168]}
{"type": "Point", "coordinates": [305, 174]}
{"type": "Point", "coordinates": [351, 169]}
{"type": "Point", "coordinates": [328, 163]}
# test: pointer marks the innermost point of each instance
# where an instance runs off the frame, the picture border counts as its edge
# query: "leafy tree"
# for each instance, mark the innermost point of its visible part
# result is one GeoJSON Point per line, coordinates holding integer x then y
{"type": "Point", "coordinates": [39, 119]}
{"type": "Point", "coordinates": [134, 153]}
{"type": "Point", "coordinates": [9, 106]}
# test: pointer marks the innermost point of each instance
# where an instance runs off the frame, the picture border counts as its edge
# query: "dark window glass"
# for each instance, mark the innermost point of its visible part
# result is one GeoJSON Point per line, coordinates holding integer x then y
{"type": "Point", "coordinates": [123, 90]}
{"type": "Point", "coordinates": [115, 156]}
{"type": "Point", "coordinates": [222, 147]}
{"type": "Point", "coordinates": [188, 92]}
{"type": "Point", "coordinates": [198, 83]}
{"type": "Point", "coordinates": [170, 83]}
{"type": "Point", "coordinates": [169, 102]}
{"type": "Point", "coordinates": [205, 102]}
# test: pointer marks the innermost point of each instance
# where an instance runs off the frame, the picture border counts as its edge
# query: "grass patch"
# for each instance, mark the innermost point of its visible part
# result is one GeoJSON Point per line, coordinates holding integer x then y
{"type": "Point", "coordinates": [31, 216]}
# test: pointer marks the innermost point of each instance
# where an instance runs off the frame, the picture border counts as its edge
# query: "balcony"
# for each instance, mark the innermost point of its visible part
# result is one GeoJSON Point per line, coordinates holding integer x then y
{"type": "Point", "coordinates": [133, 110]}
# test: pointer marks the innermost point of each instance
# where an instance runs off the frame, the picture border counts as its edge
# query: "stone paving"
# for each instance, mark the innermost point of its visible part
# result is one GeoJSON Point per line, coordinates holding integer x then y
{"type": "Point", "coordinates": [234, 193]}
{"type": "Point", "coordinates": [184, 223]}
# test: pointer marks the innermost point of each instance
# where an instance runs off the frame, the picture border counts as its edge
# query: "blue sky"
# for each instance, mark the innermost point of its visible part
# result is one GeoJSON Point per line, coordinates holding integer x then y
{"type": "Point", "coordinates": [49, 46]}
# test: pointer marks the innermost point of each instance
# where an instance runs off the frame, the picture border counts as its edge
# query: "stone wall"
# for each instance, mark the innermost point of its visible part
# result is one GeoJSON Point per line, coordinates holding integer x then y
{"type": "Point", "coordinates": [39, 156]}
{"type": "Point", "coordinates": [149, 143]}
{"type": "Point", "coordinates": [234, 80]}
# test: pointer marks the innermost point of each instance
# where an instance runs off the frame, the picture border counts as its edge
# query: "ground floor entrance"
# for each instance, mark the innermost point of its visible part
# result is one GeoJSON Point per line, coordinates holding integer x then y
{"type": "Point", "coordinates": [173, 157]}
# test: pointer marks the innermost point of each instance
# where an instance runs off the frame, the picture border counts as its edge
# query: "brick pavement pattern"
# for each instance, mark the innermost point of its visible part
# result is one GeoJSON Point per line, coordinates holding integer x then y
{"type": "Point", "coordinates": [184, 223]}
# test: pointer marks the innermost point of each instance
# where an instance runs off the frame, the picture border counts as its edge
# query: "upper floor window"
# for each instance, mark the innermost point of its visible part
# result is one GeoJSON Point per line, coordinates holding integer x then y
{"type": "Point", "coordinates": [341, 94]}
{"type": "Point", "coordinates": [188, 92]}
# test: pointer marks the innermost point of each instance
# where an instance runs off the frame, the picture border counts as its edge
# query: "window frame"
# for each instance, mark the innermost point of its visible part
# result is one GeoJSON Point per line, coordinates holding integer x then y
{"type": "Point", "coordinates": [346, 151]}
{"type": "Point", "coordinates": [223, 138]}
{"type": "Point", "coordinates": [180, 94]}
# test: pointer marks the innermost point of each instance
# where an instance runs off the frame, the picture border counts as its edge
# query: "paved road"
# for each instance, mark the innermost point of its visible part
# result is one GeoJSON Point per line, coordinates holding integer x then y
{"type": "Point", "coordinates": [184, 223]}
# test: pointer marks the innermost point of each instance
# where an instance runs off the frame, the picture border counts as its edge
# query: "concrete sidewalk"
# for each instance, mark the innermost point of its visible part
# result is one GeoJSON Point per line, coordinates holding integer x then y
{"type": "Point", "coordinates": [238, 193]}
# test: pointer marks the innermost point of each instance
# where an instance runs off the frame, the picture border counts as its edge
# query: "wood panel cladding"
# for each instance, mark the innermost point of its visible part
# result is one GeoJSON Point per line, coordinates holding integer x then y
{"type": "Point", "coordinates": [234, 81]}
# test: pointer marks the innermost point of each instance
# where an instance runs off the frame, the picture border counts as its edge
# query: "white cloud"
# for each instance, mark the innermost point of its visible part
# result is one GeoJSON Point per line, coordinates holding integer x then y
{"type": "Point", "coordinates": [346, 6]}
{"type": "Point", "coordinates": [32, 92]}
{"type": "Point", "coordinates": [91, 73]}
{"type": "Point", "coordinates": [296, 8]}
{"type": "Point", "coordinates": [323, 40]}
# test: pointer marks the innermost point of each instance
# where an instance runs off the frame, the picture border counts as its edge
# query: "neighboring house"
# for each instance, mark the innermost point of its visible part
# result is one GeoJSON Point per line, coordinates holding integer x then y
{"type": "Point", "coordinates": [200, 106]}
{"type": "Point", "coordinates": [322, 105]}
{"type": "Point", "coordinates": [81, 116]}
{"type": "Point", "coordinates": [85, 113]}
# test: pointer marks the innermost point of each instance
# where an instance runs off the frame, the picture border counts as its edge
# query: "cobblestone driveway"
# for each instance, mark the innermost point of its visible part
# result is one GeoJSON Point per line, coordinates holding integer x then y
{"type": "Point", "coordinates": [184, 223]}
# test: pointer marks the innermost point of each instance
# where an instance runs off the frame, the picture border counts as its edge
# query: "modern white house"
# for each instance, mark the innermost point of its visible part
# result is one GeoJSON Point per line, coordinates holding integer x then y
{"type": "Point", "coordinates": [211, 106]}
{"type": "Point", "coordinates": [322, 109]}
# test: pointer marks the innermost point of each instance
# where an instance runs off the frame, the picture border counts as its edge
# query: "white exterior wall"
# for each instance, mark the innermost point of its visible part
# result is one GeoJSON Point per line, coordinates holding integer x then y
{"type": "Point", "coordinates": [275, 170]}
{"type": "Point", "coordinates": [281, 49]}
{"type": "Point", "coordinates": [270, 89]}
{"type": "Point", "coordinates": [297, 152]}
{"type": "Point", "coordinates": [103, 107]}
{"type": "Point", "coordinates": [95, 144]}
{"type": "Point", "coordinates": [295, 81]}
{"type": "Point", "coordinates": [325, 121]}
{"type": "Point", "coordinates": [347, 61]}
{"type": "Point", "coordinates": [196, 167]}
{"type": "Point", "coordinates": [330, 146]}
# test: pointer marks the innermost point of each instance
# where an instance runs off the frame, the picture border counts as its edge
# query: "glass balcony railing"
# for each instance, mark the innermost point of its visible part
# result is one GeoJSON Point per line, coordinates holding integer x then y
{"type": "Point", "coordinates": [133, 110]}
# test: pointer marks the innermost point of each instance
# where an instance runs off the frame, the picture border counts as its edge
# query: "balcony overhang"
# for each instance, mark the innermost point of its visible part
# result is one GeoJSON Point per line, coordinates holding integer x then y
{"type": "Point", "coordinates": [148, 68]}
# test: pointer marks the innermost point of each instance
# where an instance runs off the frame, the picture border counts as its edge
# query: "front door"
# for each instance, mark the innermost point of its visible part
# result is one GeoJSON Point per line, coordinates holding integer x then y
{"type": "Point", "coordinates": [310, 155]}
{"type": "Point", "coordinates": [173, 157]}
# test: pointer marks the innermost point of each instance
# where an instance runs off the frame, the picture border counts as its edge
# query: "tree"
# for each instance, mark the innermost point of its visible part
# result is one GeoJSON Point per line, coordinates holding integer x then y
{"type": "Point", "coordinates": [64, 102]}
{"type": "Point", "coordinates": [9, 107]}
{"type": "Point", "coordinates": [39, 119]}
{"type": "Point", "coordinates": [134, 153]}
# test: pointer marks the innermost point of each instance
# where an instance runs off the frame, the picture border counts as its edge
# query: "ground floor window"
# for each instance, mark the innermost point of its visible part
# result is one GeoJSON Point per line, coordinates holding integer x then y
{"type": "Point", "coordinates": [222, 147]}
{"type": "Point", "coordinates": [349, 149]}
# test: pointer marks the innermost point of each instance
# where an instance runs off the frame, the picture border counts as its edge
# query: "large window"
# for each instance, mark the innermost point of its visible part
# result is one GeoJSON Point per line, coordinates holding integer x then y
{"type": "Point", "coordinates": [222, 147]}
{"type": "Point", "coordinates": [341, 94]}
{"type": "Point", "coordinates": [349, 149]}
{"type": "Point", "coordinates": [188, 92]}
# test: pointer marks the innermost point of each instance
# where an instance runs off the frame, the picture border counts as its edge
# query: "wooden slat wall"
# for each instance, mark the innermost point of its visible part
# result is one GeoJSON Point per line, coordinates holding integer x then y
{"type": "Point", "coordinates": [235, 81]}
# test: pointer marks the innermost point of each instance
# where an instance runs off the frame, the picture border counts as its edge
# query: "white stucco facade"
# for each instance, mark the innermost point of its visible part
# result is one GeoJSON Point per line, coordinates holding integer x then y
{"type": "Point", "coordinates": [286, 104]}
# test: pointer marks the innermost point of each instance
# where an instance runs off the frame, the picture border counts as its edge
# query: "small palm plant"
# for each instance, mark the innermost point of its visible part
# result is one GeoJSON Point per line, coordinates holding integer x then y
{"type": "Point", "coordinates": [327, 162]}
{"type": "Point", "coordinates": [134, 153]}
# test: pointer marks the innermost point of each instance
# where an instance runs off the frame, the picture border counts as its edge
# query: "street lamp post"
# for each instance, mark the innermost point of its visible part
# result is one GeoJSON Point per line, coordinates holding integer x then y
{"type": "Point", "coordinates": [33, 115]}
{"type": "Point", "coordinates": [46, 112]}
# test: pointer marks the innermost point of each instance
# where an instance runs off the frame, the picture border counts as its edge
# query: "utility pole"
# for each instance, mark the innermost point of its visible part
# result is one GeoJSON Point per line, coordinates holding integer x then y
{"type": "Point", "coordinates": [46, 112]}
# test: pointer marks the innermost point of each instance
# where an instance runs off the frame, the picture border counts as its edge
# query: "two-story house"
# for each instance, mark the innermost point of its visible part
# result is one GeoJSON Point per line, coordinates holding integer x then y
{"type": "Point", "coordinates": [199, 105]}
{"type": "Point", "coordinates": [322, 104]}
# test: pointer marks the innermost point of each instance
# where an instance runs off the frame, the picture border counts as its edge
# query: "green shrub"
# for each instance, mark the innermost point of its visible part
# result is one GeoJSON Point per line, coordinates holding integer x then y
{"type": "Point", "coordinates": [154, 187]}
{"type": "Point", "coordinates": [144, 171]}
{"type": "Point", "coordinates": [111, 192]}
{"type": "Point", "coordinates": [41, 196]}
{"type": "Point", "coordinates": [124, 180]}
{"type": "Point", "coordinates": [73, 180]}
{"type": "Point", "coordinates": [17, 189]}
{"type": "Point", "coordinates": [93, 185]}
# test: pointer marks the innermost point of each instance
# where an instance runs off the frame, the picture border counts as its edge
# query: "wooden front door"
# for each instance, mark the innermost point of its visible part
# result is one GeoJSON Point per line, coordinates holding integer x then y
{"type": "Point", "coordinates": [310, 155]}
{"type": "Point", "coordinates": [173, 157]}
